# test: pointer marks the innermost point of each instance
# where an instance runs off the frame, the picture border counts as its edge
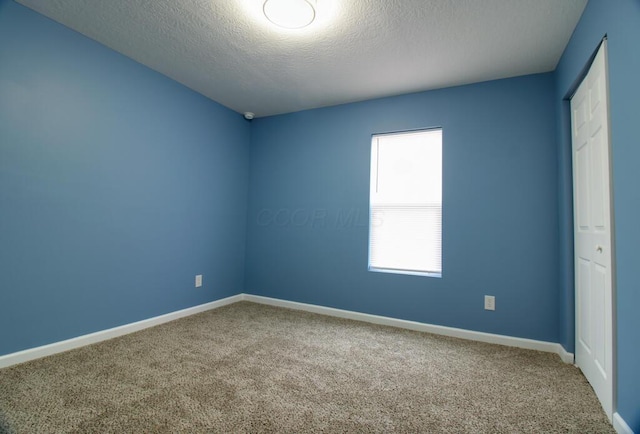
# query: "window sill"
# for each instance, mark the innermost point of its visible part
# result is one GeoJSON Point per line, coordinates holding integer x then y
{"type": "Point", "coordinates": [408, 272]}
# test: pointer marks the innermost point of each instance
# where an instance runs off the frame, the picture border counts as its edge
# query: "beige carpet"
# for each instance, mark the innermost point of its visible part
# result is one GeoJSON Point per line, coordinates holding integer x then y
{"type": "Point", "coordinates": [253, 368]}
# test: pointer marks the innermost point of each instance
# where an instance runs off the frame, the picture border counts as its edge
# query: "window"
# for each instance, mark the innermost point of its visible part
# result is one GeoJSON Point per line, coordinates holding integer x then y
{"type": "Point", "coordinates": [405, 219]}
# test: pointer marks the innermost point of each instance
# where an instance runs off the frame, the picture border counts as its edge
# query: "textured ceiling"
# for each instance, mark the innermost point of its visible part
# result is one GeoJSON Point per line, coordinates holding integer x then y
{"type": "Point", "coordinates": [355, 50]}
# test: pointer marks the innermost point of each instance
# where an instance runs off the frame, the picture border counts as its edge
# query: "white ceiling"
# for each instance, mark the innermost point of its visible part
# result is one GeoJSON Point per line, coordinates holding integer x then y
{"type": "Point", "coordinates": [355, 50]}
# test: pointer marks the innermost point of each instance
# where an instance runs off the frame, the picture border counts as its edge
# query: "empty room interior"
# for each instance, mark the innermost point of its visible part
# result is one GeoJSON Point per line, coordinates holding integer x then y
{"type": "Point", "coordinates": [374, 216]}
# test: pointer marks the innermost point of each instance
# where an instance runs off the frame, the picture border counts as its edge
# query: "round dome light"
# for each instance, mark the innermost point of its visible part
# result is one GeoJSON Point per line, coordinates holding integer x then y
{"type": "Point", "coordinates": [290, 14]}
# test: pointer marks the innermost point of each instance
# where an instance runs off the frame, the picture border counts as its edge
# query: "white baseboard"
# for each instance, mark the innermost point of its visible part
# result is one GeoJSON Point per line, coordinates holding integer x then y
{"type": "Point", "coordinates": [103, 335]}
{"type": "Point", "coordinates": [549, 347]}
{"type": "Point", "coordinates": [92, 338]}
{"type": "Point", "coordinates": [620, 425]}
{"type": "Point", "coordinates": [566, 356]}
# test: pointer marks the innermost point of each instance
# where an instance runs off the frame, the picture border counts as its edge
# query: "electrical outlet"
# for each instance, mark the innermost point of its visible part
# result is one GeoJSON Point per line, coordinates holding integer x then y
{"type": "Point", "coordinates": [489, 302]}
{"type": "Point", "coordinates": [198, 280]}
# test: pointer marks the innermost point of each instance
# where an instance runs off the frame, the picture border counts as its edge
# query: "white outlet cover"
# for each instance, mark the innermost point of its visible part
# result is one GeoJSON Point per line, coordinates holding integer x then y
{"type": "Point", "coordinates": [198, 280]}
{"type": "Point", "coordinates": [489, 302]}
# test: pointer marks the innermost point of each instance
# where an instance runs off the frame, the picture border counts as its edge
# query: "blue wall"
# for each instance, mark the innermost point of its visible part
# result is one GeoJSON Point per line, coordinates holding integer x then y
{"type": "Point", "coordinates": [620, 20]}
{"type": "Point", "coordinates": [309, 197]}
{"type": "Point", "coordinates": [117, 186]}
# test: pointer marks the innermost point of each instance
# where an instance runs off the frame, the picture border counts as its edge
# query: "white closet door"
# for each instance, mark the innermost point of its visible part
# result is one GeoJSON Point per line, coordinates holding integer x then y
{"type": "Point", "coordinates": [592, 230]}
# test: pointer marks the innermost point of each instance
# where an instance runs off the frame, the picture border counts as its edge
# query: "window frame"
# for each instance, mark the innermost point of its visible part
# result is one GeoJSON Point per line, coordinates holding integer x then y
{"type": "Point", "coordinates": [391, 270]}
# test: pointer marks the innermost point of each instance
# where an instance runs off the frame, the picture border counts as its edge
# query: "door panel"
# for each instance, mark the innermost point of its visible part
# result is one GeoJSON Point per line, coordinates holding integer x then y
{"type": "Point", "coordinates": [583, 281]}
{"type": "Point", "coordinates": [598, 294]}
{"type": "Point", "coordinates": [582, 188]}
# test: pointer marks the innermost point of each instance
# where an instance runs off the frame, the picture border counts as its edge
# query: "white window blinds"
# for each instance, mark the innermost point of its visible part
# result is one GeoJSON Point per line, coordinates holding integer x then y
{"type": "Point", "coordinates": [405, 227]}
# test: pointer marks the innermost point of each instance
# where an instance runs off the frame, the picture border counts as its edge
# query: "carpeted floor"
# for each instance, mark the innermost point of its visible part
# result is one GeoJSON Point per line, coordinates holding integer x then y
{"type": "Point", "coordinates": [253, 368]}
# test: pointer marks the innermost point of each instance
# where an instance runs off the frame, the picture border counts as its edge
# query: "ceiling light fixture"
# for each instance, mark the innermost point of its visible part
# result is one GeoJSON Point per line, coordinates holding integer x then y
{"type": "Point", "coordinates": [290, 14]}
